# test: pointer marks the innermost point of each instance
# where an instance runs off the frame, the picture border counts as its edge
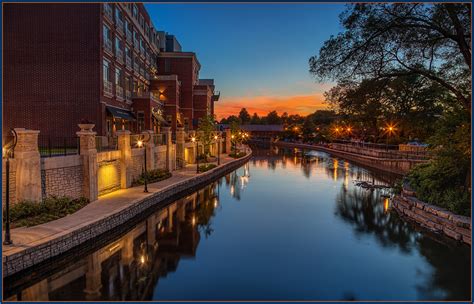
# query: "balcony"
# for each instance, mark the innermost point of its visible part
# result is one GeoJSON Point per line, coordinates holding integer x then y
{"type": "Point", "coordinates": [129, 37]}
{"type": "Point", "coordinates": [108, 46]}
{"type": "Point", "coordinates": [136, 44]}
{"type": "Point", "coordinates": [119, 55]}
{"type": "Point", "coordinates": [119, 92]}
{"type": "Point", "coordinates": [148, 95]}
{"type": "Point", "coordinates": [108, 12]}
{"type": "Point", "coordinates": [108, 87]}
{"type": "Point", "coordinates": [128, 95]}
{"type": "Point", "coordinates": [128, 62]}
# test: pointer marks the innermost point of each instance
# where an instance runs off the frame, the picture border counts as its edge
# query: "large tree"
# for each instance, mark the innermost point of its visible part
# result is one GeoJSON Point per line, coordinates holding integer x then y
{"type": "Point", "coordinates": [382, 41]}
{"type": "Point", "coordinates": [244, 116]}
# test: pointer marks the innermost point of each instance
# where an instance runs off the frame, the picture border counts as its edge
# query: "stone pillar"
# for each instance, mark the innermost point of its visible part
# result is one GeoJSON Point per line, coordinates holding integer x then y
{"type": "Point", "coordinates": [180, 145]}
{"type": "Point", "coordinates": [93, 277]}
{"type": "Point", "coordinates": [170, 155]}
{"type": "Point", "coordinates": [90, 189]}
{"type": "Point", "coordinates": [149, 150]}
{"type": "Point", "coordinates": [125, 158]}
{"type": "Point", "coordinates": [228, 142]}
{"type": "Point", "coordinates": [28, 166]}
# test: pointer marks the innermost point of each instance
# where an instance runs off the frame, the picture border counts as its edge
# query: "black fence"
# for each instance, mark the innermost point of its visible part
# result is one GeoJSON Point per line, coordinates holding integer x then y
{"type": "Point", "coordinates": [50, 146]}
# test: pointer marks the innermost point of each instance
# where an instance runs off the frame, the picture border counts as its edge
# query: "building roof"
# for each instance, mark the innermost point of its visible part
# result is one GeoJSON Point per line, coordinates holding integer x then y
{"type": "Point", "coordinates": [258, 128]}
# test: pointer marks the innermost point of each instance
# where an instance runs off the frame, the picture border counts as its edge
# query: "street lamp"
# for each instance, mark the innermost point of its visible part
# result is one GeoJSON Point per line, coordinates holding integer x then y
{"type": "Point", "coordinates": [7, 153]}
{"type": "Point", "coordinates": [193, 139]}
{"type": "Point", "coordinates": [141, 144]}
{"type": "Point", "coordinates": [218, 150]}
{"type": "Point", "coordinates": [233, 142]}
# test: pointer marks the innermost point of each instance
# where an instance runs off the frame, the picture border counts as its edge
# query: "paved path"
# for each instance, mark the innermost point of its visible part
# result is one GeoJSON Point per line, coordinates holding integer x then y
{"type": "Point", "coordinates": [106, 205]}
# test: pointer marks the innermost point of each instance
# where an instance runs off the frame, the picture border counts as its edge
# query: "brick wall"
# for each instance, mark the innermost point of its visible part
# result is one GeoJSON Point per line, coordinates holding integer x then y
{"type": "Point", "coordinates": [137, 163]}
{"type": "Point", "coordinates": [160, 157]}
{"type": "Point", "coordinates": [51, 70]}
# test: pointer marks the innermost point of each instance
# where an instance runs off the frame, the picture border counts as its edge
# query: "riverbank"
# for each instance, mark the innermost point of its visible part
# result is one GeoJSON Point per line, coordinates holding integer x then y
{"type": "Point", "coordinates": [433, 218]}
{"type": "Point", "coordinates": [36, 244]}
{"type": "Point", "coordinates": [397, 166]}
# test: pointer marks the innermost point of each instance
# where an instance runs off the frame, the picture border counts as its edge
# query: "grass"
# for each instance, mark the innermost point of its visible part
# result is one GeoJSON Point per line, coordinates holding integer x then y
{"type": "Point", "coordinates": [206, 167]}
{"type": "Point", "coordinates": [28, 213]}
{"type": "Point", "coordinates": [153, 176]}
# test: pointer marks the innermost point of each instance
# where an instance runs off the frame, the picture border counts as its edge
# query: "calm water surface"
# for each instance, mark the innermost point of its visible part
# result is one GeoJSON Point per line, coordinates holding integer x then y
{"type": "Point", "coordinates": [281, 227]}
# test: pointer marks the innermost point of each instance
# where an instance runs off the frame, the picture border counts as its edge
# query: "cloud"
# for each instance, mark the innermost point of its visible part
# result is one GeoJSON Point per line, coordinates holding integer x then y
{"type": "Point", "coordinates": [297, 104]}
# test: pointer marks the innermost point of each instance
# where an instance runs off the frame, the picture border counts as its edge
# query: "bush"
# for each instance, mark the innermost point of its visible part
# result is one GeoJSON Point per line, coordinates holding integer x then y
{"type": "Point", "coordinates": [153, 176]}
{"type": "Point", "coordinates": [206, 167]}
{"type": "Point", "coordinates": [237, 154]}
{"type": "Point", "coordinates": [441, 184]}
{"type": "Point", "coordinates": [28, 213]}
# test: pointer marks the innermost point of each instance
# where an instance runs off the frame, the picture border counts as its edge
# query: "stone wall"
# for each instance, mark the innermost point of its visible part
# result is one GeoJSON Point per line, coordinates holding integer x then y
{"type": "Point", "coordinates": [61, 176]}
{"type": "Point", "coordinates": [160, 157]}
{"type": "Point", "coordinates": [12, 181]}
{"type": "Point", "coordinates": [67, 240]}
{"type": "Point", "coordinates": [433, 218]}
{"type": "Point", "coordinates": [108, 171]}
{"type": "Point", "coordinates": [137, 163]}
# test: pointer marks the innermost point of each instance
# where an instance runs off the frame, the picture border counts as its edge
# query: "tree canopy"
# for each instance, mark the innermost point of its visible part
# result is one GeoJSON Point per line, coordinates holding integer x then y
{"type": "Point", "coordinates": [381, 41]}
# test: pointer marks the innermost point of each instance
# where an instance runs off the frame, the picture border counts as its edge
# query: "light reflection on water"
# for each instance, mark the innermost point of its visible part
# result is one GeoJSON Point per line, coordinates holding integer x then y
{"type": "Point", "coordinates": [281, 227]}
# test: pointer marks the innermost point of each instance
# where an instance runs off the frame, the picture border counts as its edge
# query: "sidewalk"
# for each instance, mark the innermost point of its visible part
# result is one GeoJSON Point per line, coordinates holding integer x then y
{"type": "Point", "coordinates": [107, 205]}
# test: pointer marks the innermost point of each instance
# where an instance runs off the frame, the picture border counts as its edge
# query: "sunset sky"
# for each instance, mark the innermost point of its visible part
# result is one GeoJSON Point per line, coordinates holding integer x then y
{"type": "Point", "coordinates": [257, 53]}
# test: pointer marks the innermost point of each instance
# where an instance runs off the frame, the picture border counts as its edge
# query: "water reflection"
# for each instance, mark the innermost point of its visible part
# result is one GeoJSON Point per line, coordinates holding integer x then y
{"type": "Point", "coordinates": [339, 242]}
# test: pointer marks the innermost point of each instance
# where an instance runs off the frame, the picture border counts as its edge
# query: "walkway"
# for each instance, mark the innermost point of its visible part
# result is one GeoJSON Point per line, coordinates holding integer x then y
{"type": "Point", "coordinates": [107, 205]}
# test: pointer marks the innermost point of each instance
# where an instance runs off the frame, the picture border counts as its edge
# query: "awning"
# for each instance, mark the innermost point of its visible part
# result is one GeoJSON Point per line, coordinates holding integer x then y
{"type": "Point", "coordinates": [120, 113]}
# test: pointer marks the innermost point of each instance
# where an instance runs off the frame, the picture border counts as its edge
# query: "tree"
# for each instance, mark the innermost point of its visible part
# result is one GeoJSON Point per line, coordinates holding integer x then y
{"type": "Point", "coordinates": [273, 118]}
{"type": "Point", "coordinates": [383, 41]}
{"type": "Point", "coordinates": [232, 119]}
{"type": "Point", "coordinates": [206, 129]}
{"type": "Point", "coordinates": [255, 120]}
{"type": "Point", "coordinates": [244, 116]}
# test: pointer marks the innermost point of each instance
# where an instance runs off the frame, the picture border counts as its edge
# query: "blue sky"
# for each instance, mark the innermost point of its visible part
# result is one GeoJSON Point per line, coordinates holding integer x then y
{"type": "Point", "coordinates": [257, 53]}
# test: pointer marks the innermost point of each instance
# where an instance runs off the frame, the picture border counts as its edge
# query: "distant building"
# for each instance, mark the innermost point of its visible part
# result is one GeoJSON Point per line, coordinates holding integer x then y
{"type": "Point", "coordinates": [263, 132]}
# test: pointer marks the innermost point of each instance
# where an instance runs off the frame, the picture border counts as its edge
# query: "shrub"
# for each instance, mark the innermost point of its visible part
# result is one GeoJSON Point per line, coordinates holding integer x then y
{"type": "Point", "coordinates": [206, 167]}
{"type": "Point", "coordinates": [237, 154]}
{"type": "Point", "coordinates": [153, 176]}
{"type": "Point", "coordinates": [28, 213]}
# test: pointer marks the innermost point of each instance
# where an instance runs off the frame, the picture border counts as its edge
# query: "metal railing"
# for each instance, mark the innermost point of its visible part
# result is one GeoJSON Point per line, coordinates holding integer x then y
{"type": "Point", "coordinates": [108, 46]}
{"type": "Point", "coordinates": [108, 88]}
{"type": "Point", "coordinates": [128, 61]}
{"type": "Point", "coordinates": [119, 92]}
{"type": "Point", "coordinates": [110, 145]}
{"type": "Point", "coordinates": [377, 150]}
{"type": "Point", "coordinates": [159, 139]}
{"type": "Point", "coordinates": [119, 55]}
{"type": "Point", "coordinates": [50, 146]}
{"type": "Point", "coordinates": [108, 11]}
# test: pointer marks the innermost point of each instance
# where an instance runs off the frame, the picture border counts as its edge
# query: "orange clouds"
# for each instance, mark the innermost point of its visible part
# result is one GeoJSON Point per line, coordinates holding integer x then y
{"type": "Point", "coordinates": [298, 104]}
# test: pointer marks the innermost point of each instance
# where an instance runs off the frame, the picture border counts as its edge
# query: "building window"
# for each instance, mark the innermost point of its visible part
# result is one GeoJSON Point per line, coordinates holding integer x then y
{"type": "Point", "coordinates": [106, 32]}
{"type": "Point", "coordinates": [118, 14]}
{"type": "Point", "coordinates": [118, 77]}
{"type": "Point", "coordinates": [169, 119]}
{"type": "Point", "coordinates": [135, 11]}
{"type": "Point", "coordinates": [106, 70]}
{"type": "Point", "coordinates": [118, 43]}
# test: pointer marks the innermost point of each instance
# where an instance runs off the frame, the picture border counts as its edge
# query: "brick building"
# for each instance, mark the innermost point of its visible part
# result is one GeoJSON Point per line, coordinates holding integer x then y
{"type": "Point", "coordinates": [196, 96]}
{"type": "Point", "coordinates": [67, 62]}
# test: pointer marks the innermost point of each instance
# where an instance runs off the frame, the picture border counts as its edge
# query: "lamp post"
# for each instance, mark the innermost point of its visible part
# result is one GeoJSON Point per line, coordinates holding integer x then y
{"type": "Point", "coordinates": [193, 139]}
{"type": "Point", "coordinates": [7, 153]}
{"type": "Point", "coordinates": [140, 144]}
{"type": "Point", "coordinates": [233, 142]}
{"type": "Point", "coordinates": [218, 150]}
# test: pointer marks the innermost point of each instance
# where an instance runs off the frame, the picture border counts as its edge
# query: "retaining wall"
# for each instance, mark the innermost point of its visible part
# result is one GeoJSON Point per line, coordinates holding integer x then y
{"type": "Point", "coordinates": [398, 166]}
{"type": "Point", "coordinates": [66, 240]}
{"type": "Point", "coordinates": [436, 219]}
{"type": "Point", "coordinates": [61, 176]}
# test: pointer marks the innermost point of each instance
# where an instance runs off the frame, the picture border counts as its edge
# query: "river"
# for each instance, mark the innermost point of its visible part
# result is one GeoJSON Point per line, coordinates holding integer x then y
{"type": "Point", "coordinates": [282, 227]}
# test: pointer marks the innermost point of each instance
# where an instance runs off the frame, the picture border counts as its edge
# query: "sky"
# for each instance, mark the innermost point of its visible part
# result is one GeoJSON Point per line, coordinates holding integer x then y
{"type": "Point", "coordinates": [257, 54]}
